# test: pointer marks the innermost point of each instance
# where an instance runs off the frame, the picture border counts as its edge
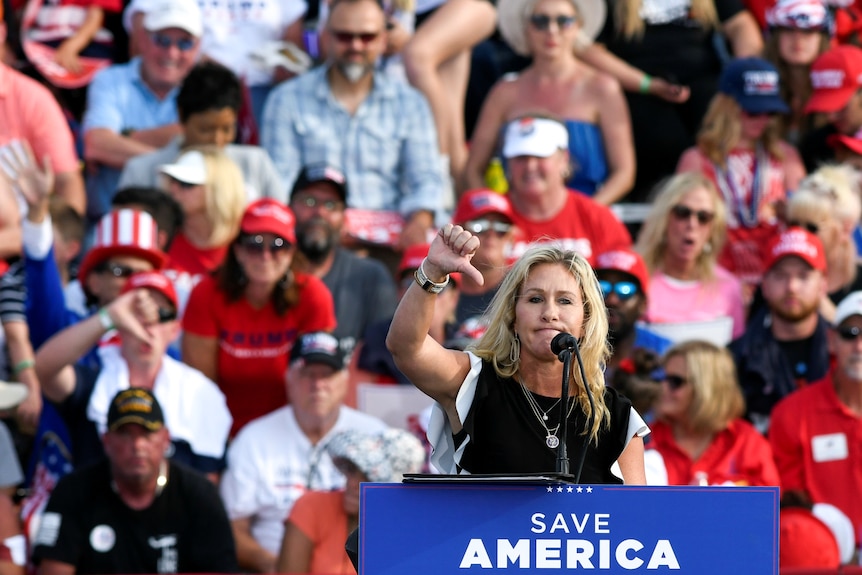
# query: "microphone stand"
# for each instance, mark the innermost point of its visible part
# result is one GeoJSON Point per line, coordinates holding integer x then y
{"type": "Point", "coordinates": [592, 417]}
{"type": "Point", "coordinates": [562, 456]}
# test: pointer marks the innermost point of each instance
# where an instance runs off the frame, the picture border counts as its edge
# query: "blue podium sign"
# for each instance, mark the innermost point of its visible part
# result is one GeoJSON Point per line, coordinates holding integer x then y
{"type": "Point", "coordinates": [451, 528]}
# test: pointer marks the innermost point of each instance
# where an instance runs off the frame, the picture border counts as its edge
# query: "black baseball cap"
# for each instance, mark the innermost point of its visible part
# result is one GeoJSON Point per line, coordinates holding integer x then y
{"type": "Point", "coordinates": [314, 173]}
{"type": "Point", "coordinates": [319, 347]}
{"type": "Point", "coordinates": [135, 405]}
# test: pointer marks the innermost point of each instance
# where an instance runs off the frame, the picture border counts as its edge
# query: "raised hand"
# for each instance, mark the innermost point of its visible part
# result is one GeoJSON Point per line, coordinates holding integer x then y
{"type": "Point", "coordinates": [19, 168]}
{"type": "Point", "coordinates": [451, 251]}
{"type": "Point", "coordinates": [133, 312]}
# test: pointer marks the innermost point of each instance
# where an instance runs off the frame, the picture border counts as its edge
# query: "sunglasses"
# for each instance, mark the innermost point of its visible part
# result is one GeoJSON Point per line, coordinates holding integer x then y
{"type": "Point", "coordinates": [116, 270]}
{"type": "Point", "coordinates": [167, 314]}
{"type": "Point", "coordinates": [481, 226]}
{"type": "Point", "coordinates": [346, 37]}
{"type": "Point", "coordinates": [849, 333]}
{"type": "Point", "coordinates": [813, 228]}
{"type": "Point", "coordinates": [165, 42]}
{"type": "Point", "coordinates": [675, 381]}
{"type": "Point", "coordinates": [624, 290]}
{"type": "Point", "coordinates": [181, 184]}
{"type": "Point", "coordinates": [328, 205]}
{"type": "Point", "coordinates": [256, 244]}
{"type": "Point", "coordinates": [682, 212]}
{"type": "Point", "coordinates": [542, 22]}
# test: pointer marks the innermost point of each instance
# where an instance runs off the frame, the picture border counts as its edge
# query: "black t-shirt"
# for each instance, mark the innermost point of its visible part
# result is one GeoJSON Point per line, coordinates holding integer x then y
{"type": "Point", "coordinates": [674, 45]}
{"type": "Point", "coordinates": [815, 150]}
{"type": "Point", "coordinates": [798, 352]}
{"type": "Point", "coordinates": [184, 530]}
{"type": "Point", "coordinates": [506, 436]}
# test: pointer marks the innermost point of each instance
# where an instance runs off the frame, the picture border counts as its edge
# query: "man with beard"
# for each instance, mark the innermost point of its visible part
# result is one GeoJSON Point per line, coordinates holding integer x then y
{"type": "Point", "coordinates": [380, 131]}
{"type": "Point", "coordinates": [784, 346]}
{"type": "Point", "coordinates": [816, 432]}
{"type": "Point", "coordinates": [624, 280]}
{"type": "Point", "coordinates": [362, 288]}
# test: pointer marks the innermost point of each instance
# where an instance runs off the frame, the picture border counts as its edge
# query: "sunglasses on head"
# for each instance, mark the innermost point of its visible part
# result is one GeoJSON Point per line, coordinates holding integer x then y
{"type": "Point", "coordinates": [623, 290]}
{"type": "Point", "coordinates": [165, 42]}
{"type": "Point", "coordinates": [682, 212]}
{"type": "Point", "coordinates": [481, 226]}
{"type": "Point", "coordinates": [328, 205]}
{"type": "Point", "coordinates": [542, 22]}
{"type": "Point", "coordinates": [346, 37]}
{"type": "Point", "coordinates": [257, 245]}
{"type": "Point", "coordinates": [674, 381]}
{"type": "Point", "coordinates": [811, 227]}
{"type": "Point", "coordinates": [849, 333]}
{"type": "Point", "coordinates": [116, 270]}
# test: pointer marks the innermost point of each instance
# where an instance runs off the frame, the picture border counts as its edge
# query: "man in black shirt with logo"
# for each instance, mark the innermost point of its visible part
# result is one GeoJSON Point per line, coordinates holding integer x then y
{"type": "Point", "coordinates": [136, 511]}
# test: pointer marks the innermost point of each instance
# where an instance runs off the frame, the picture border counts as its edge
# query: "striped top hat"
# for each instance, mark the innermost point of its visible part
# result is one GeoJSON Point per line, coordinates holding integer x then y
{"type": "Point", "coordinates": [127, 233]}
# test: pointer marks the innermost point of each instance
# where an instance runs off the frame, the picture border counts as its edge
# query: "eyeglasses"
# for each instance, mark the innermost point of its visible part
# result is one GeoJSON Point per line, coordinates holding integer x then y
{"type": "Point", "coordinates": [256, 244]}
{"type": "Point", "coordinates": [811, 227]}
{"type": "Point", "coordinates": [346, 37]}
{"type": "Point", "coordinates": [675, 381]}
{"type": "Point", "coordinates": [624, 290]}
{"type": "Point", "coordinates": [116, 270]}
{"type": "Point", "coordinates": [682, 212]}
{"type": "Point", "coordinates": [328, 205]}
{"type": "Point", "coordinates": [167, 314]}
{"type": "Point", "coordinates": [849, 333]}
{"type": "Point", "coordinates": [165, 42]}
{"type": "Point", "coordinates": [482, 226]}
{"type": "Point", "coordinates": [542, 22]}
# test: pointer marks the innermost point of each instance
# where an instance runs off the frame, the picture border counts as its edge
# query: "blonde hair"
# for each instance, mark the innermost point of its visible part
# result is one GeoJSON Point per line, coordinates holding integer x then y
{"type": "Point", "coordinates": [652, 240]}
{"type": "Point", "coordinates": [716, 396]}
{"type": "Point", "coordinates": [630, 24]}
{"type": "Point", "coordinates": [225, 195]}
{"type": "Point", "coordinates": [831, 194]}
{"type": "Point", "coordinates": [498, 343]}
{"type": "Point", "coordinates": [722, 127]}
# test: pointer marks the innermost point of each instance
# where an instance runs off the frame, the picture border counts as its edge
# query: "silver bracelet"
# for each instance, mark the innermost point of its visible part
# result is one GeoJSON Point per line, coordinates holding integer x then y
{"type": "Point", "coordinates": [426, 284]}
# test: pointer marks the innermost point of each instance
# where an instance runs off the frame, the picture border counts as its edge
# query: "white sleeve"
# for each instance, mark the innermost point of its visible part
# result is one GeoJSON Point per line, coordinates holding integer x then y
{"type": "Point", "coordinates": [239, 483]}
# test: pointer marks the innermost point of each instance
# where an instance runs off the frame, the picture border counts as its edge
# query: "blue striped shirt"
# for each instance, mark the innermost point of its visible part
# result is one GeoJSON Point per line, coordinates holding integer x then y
{"type": "Point", "coordinates": [387, 149]}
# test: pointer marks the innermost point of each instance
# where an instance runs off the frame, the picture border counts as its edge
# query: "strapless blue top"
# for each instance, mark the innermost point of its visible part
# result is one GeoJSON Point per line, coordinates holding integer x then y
{"type": "Point", "coordinates": [587, 154]}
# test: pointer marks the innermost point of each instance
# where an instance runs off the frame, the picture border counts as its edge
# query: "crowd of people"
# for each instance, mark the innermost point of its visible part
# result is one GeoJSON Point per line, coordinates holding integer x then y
{"type": "Point", "coordinates": [218, 217]}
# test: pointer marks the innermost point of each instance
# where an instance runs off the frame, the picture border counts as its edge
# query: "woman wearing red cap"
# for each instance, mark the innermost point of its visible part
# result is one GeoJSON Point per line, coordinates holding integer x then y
{"type": "Point", "coordinates": [241, 323]}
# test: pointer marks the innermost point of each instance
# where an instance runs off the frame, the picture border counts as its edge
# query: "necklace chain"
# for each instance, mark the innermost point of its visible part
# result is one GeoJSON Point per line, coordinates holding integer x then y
{"type": "Point", "coordinates": [551, 439]}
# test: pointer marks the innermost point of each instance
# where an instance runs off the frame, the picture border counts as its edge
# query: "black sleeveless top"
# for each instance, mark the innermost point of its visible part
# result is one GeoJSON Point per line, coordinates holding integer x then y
{"type": "Point", "coordinates": [506, 436]}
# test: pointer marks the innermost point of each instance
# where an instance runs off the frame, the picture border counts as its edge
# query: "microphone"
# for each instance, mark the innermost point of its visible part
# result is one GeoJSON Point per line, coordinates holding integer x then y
{"type": "Point", "coordinates": [563, 341]}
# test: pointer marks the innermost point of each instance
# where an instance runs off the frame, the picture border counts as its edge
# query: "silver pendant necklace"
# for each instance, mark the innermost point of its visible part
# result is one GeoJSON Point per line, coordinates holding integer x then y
{"type": "Point", "coordinates": [551, 439]}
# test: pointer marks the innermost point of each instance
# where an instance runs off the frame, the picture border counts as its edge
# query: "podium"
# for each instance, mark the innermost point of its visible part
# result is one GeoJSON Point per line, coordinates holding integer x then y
{"type": "Point", "coordinates": [540, 524]}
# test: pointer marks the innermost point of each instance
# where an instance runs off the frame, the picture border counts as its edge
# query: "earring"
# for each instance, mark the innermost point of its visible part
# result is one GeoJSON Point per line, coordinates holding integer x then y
{"type": "Point", "coordinates": [707, 248]}
{"type": "Point", "coordinates": [515, 351]}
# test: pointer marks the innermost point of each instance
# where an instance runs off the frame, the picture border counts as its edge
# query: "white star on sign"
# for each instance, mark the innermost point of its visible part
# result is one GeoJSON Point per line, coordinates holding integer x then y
{"type": "Point", "coordinates": [589, 489]}
{"type": "Point", "coordinates": [569, 489]}
{"type": "Point", "coordinates": [580, 489]}
{"type": "Point", "coordinates": [560, 489]}
{"type": "Point", "coordinates": [550, 489]}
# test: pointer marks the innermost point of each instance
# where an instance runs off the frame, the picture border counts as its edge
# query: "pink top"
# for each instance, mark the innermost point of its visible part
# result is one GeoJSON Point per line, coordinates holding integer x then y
{"type": "Point", "coordinates": [29, 112]}
{"type": "Point", "coordinates": [673, 301]}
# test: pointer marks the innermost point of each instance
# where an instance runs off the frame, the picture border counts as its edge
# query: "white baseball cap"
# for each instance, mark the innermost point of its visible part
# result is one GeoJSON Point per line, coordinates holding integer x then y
{"type": "Point", "coordinates": [539, 137]}
{"type": "Point", "coordinates": [849, 306]}
{"type": "Point", "coordinates": [190, 168]}
{"type": "Point", "coordinates": [182, 14]}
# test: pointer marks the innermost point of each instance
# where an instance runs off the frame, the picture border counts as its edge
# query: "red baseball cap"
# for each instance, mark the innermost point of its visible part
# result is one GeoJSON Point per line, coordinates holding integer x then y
{"type": "Point", "coordinates": [796, 242]}
{"type": "Point", "coordinates": [153, 280]}
{"type": "Point", "coordinates": [477, 203]}
{"type": "Point", "coordinates": [805, 541]}
{"type": "Point", "coordinates": [835, 76]}
{"type": "Point", "coordinates": [124, 232]}
{"type": "Point", "coordinates": [626, 261]}
{"type": "Point", "coordinates": [268, 216]}
{"type": "Point", "coordinates": [853, 143]}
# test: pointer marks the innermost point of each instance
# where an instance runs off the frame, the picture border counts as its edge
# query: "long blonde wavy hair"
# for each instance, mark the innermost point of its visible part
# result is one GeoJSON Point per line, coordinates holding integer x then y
{"type": "Point", "coordinates": [631, 26]}
{"type": "Point", "coordinates": [225, 194]}
{"type": "Point", "coordinates": [498, 343]}
{"type": "Point", "coordinates": [721, 129]}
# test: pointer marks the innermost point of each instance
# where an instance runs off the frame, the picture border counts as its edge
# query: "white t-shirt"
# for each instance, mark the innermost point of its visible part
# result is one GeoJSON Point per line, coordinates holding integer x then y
{"type": "Point", "coordinates": [271, 463]}
{"type": "Point", "coordinates": [233, 30]}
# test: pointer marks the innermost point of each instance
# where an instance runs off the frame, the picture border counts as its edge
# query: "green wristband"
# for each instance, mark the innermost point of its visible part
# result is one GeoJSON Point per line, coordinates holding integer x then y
{"type": "Point", "coordinates": [22, 365]}
{"type": "Point", "coordinates": [645, 84]}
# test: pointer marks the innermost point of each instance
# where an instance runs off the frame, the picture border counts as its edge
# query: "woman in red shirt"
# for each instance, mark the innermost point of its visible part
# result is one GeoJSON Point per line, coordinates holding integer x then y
{"type": "Point", "coordinates": [241, 323]}
{"type": "Point", "coordinates": [699, 437]}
